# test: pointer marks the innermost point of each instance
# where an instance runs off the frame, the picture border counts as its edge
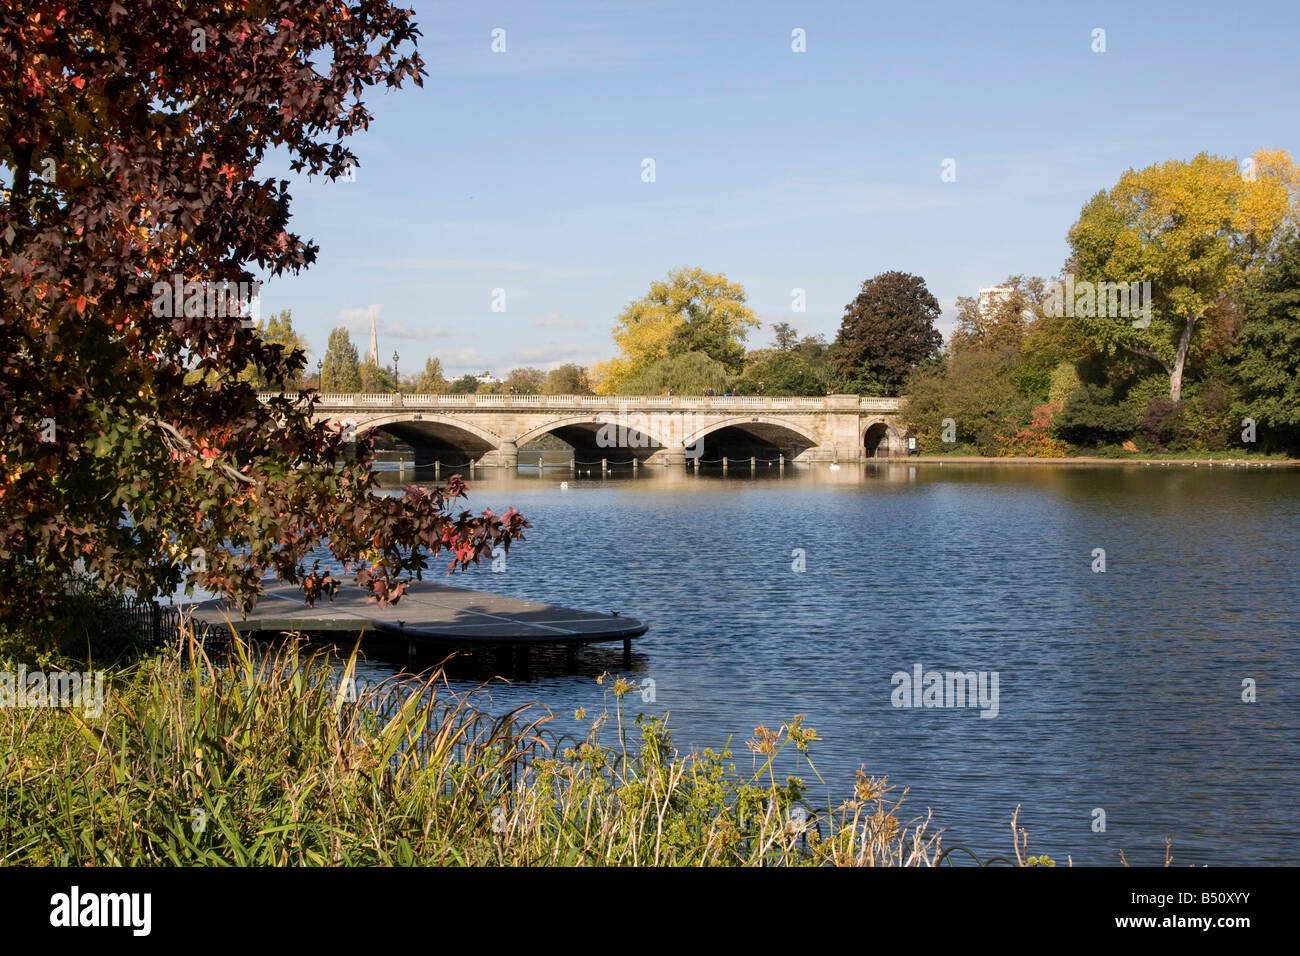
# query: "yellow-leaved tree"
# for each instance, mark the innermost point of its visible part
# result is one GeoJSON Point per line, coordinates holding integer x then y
{"type": "Point", "coordinates": [1193, 230]}
{"type": "Point", "coordinates": [689, 311]}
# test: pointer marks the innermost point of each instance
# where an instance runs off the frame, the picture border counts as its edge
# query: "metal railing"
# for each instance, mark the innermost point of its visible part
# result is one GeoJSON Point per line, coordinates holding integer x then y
{"type": "Point", "coordinates": [160, 626]}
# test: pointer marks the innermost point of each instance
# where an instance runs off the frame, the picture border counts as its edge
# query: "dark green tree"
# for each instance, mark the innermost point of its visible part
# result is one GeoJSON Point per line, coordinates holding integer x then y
{"type": "Point", "coordinates": [1267, 354]}
{"type": "Point", "coordinates": [888, 330]}
{"type": "Point", "coordinates": [341, 372]}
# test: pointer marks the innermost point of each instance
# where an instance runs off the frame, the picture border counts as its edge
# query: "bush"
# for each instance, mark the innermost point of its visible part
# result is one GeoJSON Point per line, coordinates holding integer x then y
{"type": "Point", "coordinates": [1161, 425]}
{"type": "Point", "coordinates": [1034, 440]}
{"type": "Point", "coordinates": [1207, 415]}
{"type": "Point", "coordinates": [1091, 417]}
{"type": "Point", "coordinates": [89, 624]}
{"type": "Point", "coordinates": [974, 390]}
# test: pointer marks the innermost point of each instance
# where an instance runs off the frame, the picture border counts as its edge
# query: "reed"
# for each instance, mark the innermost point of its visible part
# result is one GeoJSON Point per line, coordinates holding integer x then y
{"type": "Point", "coordinates": [273, 760]}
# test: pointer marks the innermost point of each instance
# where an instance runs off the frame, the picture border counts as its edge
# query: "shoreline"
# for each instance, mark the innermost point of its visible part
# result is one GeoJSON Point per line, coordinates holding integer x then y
{"type": "Point", "coordinates": [1084, 460]}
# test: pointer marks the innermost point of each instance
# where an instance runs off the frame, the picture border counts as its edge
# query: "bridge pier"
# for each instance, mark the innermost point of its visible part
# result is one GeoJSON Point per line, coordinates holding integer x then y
{"type": "Point", "coordinates": [508, 455]}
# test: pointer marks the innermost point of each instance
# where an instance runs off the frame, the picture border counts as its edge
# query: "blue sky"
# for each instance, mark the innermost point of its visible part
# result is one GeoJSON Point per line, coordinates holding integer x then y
{"type": "Point", "coordinates": [522, 170]}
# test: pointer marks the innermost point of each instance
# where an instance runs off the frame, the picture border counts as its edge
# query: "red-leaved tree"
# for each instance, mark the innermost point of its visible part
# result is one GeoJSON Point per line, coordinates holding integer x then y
{"type": "Point", "coordinates": [131, 136]}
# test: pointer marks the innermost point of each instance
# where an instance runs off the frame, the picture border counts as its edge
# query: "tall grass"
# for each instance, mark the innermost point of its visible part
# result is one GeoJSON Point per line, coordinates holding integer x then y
{"type": "Point", "coordinates": [272, 760]}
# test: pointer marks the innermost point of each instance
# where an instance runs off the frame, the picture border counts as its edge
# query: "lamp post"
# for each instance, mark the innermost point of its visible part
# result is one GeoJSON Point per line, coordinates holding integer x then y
{"type": "Point", "coordinates": [320, 375]}
{"type": "Point", "coordinates": [396, 380]}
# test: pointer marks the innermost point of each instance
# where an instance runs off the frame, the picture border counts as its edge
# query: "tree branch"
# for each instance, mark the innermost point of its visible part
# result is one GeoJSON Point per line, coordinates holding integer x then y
{"type": "Point", "coordinates": [189, 446]}
{"type": "Point", "coordinates": [1145, 353]}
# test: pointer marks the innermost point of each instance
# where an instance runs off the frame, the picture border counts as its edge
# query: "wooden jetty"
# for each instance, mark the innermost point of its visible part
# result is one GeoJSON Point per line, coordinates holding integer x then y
{"type": "Point", "coordinates": [428, 614]}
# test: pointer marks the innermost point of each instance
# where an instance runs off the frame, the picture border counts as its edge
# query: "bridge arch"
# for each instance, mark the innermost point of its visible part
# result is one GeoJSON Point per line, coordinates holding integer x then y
{"type": "Point", "coordinates": [790, 438]}
{"type": "Point", "coordinates": [880, 437]}
{"type": "Point", "coordinates": [617, 436]}
{"type": "Point", "coordinates": [594, 422]}
{"type": "Point", "coordinates": [435, 437]}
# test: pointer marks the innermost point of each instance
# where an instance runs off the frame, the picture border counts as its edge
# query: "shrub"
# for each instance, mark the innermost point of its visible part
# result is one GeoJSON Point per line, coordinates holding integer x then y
{"type": "Point", "coordinates": [1161, 425]}
{"type": "Point", "coordinates": [1207, 415]}
{"type": "Point", "coordinates": [89, 625]}
{"type": "Point", "coordinates": [1034, 440]}
{"type": "Point", "coordinates": [1091, 417]}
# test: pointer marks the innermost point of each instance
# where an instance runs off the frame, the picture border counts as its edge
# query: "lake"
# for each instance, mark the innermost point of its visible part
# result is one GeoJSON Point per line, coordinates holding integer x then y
{"type": "Point", "coordinates": [1119, 690]}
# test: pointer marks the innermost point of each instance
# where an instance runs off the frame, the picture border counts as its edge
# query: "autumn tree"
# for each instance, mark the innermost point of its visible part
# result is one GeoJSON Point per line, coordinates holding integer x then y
{"type": "Point", "coordinates": [431, 381]}
{"type": "Point", "coordinates": [567, 379]}
{"type": "Point", "coordinates": [1001, 319]}
{"type": "Point", "coordinates": [690, 311]}
{"type": "Point", "coordinates": [888, 330]}
{"type": "Point", "coordinates": [525, 381]}
{"type": "Point", "coordinates": [341, 371]}
{"type": "Point", "coordinates": [133, 215]}
{"type": "Point", "coordinates": [1193, 230]}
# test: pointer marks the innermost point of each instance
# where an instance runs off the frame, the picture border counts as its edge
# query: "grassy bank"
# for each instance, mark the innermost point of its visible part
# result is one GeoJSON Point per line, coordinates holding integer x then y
{"type": "Point", "coordinates": [271, 762]}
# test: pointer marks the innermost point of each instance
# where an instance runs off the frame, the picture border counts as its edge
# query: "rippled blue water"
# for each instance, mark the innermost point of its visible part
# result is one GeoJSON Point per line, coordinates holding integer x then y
{"type": "Point", "coordinates": [1118, 690]}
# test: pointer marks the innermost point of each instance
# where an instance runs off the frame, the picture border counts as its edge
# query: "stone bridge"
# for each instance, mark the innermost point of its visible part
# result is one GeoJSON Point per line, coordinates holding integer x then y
{"type": "Point", "coordinates": [491, 429]}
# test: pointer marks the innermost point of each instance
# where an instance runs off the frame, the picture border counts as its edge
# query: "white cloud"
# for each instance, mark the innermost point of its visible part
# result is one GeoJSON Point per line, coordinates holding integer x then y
{"type": "Point", "coordinates": [581, 352]}
{"type": "Point", "coordinates": [357, 321]}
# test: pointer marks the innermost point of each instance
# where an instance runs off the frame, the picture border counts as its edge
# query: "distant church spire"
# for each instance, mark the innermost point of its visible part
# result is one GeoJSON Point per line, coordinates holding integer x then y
{"type": "Point", "coordinates": [374, 338]}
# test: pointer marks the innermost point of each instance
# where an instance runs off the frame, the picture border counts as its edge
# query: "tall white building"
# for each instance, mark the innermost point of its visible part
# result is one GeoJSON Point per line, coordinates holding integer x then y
{"type": "Point", "coordinates": [992, 297]}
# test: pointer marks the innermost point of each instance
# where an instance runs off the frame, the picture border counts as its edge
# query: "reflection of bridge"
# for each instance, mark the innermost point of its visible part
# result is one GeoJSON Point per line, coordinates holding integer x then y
{"type": "Point", "coordinates": [490, 429]}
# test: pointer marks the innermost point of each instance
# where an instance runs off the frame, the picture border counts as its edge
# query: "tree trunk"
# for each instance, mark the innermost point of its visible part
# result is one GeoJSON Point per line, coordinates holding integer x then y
{"type": "Point", "coordinates": [1176, 373]}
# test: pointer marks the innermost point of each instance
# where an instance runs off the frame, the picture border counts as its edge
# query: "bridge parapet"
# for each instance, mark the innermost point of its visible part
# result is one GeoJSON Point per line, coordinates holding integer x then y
{"type": "Point", "coordinates": [612, 402]}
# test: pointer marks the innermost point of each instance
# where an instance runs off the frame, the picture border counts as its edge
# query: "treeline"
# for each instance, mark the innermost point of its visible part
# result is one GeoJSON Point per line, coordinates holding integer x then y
{"type": "Point", "coordinates": [687, 335]}
{"type": "Point", "coordinates": [341, 369]}
{"type": "Point", "coordinates": [1173, 325]}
